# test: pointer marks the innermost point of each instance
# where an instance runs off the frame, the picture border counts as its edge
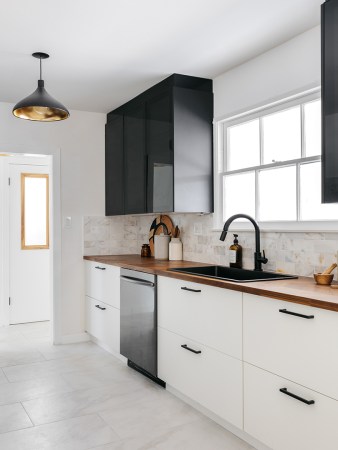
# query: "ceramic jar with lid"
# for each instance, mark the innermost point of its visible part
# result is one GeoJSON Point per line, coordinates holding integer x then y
{"type": "Point", "coordinates": [175, 249]}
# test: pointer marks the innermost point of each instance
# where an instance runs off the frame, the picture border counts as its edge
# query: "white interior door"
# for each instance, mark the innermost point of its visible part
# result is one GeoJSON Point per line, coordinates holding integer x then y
{"type": "Point", "coordinates": [29, 243]}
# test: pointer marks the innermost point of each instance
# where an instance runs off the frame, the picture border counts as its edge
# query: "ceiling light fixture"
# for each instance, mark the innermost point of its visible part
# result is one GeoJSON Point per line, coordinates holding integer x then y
{"type": "Point", "coordinates": [40, 106]}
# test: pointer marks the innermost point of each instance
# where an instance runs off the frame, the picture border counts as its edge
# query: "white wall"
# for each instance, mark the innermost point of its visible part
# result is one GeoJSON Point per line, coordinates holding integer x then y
{"type": "Point", "coordinates": [289, 68]}
{"type": "Point", "coordinates": [81, 142]}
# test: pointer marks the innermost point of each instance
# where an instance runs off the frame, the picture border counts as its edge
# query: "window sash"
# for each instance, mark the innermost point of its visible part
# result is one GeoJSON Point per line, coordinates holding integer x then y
{"type": "Point", "coordinates": [221, 154]}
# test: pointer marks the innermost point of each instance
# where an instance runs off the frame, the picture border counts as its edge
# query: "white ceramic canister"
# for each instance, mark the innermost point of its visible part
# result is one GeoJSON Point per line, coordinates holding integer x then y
{"type": "Point", "coordinates": [161, 246]}
{"type": "Point", "coordinates": [175, 249]}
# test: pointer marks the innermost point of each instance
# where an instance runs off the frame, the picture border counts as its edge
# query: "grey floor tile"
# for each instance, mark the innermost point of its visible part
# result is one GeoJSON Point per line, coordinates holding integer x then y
{"type": "Point", "coordinates": [3, 378]}
{"type": "Point", "coordinates": [81, 402]}
{"type": "Point", "coordinates": [13, 356]}
{"type": "Point", "coordinates": [79, 433]}
{"type": "Point", "coordinates": [58, 366]}
{"type": "Point", "coordinates": [103, 374]}
{"type": "Point", "coordinates": [148, 414]}
{"type": "Point", "coordinates": [50, 351]}
{"type": "Point", "coordinates": [27, 390]}
{"type": "Point", "coordinates": [13, 417]}
{"type": "Point", "coordinates": [199, 435]}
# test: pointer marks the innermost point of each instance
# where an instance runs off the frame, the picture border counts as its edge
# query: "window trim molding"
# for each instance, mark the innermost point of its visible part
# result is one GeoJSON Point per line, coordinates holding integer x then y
{"type": "Point", "coordinates": [219, 159]}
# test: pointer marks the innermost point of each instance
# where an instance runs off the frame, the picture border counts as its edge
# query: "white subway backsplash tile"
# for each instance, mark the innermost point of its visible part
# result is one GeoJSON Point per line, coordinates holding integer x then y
{"type": "Point", "coordinates": [298, 253]}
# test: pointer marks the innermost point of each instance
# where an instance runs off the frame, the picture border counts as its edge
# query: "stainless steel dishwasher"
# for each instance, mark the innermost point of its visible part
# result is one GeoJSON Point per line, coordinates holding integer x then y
{"type": "Point", "coordinates": [139, 321]}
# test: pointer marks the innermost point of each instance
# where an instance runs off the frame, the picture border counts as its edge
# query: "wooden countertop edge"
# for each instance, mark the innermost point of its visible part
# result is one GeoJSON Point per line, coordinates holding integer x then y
{"type": "Point", "coordinates": [157, 267]}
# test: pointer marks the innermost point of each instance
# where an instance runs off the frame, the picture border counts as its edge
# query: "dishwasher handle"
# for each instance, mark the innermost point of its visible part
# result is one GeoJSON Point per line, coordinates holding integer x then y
{"type": "Point", "coordinates": [137, 281]}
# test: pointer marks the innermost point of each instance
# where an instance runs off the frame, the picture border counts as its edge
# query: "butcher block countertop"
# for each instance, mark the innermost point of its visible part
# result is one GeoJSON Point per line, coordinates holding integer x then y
{"type": "Point", "coordinates": [302, 290]}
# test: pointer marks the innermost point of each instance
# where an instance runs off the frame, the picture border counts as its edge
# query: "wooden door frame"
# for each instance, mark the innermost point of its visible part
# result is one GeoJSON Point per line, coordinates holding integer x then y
{"type": "Point", "coordinates": [55, 223]}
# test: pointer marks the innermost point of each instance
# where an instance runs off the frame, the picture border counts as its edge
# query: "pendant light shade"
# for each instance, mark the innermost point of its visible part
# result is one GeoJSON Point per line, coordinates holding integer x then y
{"type": "Point", "coordinates": [40, 106]}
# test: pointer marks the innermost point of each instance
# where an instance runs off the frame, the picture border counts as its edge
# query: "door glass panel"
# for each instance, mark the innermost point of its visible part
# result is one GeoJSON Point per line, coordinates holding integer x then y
{"type": "Point", "coordinates": [34, 211]}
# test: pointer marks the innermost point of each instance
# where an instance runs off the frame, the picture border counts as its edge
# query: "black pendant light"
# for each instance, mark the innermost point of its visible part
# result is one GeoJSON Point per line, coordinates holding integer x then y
{"type": "Point", "coordinates": [40, 106]}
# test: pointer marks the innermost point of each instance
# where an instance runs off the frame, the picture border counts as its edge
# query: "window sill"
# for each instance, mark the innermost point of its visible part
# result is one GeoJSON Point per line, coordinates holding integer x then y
{"type": "Point", "coordinates": [284, 227]}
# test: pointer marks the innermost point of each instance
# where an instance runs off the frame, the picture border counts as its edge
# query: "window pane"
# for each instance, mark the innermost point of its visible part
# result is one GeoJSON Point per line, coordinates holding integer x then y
{"type": "Point", "coordinates": [239, 194]}
{"type": "Point", "coordinates": [312, 128]}
{"type": "Point", "coordinates": [243, 145]}
{"type": "Point", "coordinates": [35, 211]}
{"type": "Point", "coordinates": [282, 136]}
{"type": "Point", "coordinates": [311, 207]}
{"type": "Point", "coordinates": [277, 194]}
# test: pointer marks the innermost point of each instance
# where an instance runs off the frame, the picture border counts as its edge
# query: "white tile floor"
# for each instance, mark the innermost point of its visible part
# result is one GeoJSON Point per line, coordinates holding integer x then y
{"type": "Point", "coordinates": [77, 397]}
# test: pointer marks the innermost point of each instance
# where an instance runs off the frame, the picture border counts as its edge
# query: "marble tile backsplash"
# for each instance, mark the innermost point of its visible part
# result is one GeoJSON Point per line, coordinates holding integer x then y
{"type": "Point", "coordinates": [296, 253]}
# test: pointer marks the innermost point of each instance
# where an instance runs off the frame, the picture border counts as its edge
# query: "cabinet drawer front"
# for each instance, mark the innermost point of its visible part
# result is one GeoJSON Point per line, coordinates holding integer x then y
{"type": "Point", "coordinates": [209, 315]}
{"type": "Point", "coordinates": [301, 347]}
{"type": "Point", "coordinates": [103, 282]}
{"type": "Point", "coordinates": [103, 322]}
{"type": "Point", "coordinates": [210, 378]}
{"type": "Point", "coordinates": [283, 422]}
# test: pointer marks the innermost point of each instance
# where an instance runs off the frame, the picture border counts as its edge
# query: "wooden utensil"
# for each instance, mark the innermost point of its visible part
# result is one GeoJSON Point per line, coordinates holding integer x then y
{"type": "Point", "coordinates": [329, 269]}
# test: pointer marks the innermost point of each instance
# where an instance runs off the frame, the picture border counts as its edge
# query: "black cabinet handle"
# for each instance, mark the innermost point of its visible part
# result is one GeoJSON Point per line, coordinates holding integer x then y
{"type": "Point", "coordinates": [100, 307]}
{"type": "Point", "coordinates": [301, 399]}
{"type": "Point", "coordinates": [285, 311]}
{"type": "Point", "coordinates": [190, 290]}
{"type": "Point", "coordinates": [191, 349]}
{"type": "Point", "coordinates": [100, 268]}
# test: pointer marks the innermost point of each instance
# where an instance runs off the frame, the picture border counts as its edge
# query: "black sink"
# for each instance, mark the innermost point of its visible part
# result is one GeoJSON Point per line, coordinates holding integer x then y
{"type": "Point", "coordinates": [233, 274]}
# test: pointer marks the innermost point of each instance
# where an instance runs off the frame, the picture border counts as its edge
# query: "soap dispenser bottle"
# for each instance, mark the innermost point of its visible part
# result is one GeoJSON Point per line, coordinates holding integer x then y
{"type": "Point", "coordinates": [235, 254]}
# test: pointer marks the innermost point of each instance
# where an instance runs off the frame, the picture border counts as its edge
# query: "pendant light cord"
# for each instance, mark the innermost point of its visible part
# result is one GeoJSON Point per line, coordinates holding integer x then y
{"type": "Point", "coordinates": [40, 69]}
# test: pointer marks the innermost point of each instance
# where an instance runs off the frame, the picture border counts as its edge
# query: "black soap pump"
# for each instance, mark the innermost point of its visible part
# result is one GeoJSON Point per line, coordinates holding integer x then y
{"type": "Point", "coordinates": [235, 254]}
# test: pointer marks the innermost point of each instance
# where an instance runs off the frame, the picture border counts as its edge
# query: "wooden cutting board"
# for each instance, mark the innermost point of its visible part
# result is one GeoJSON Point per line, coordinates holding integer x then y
{"type": "Point", "coordinates": [161, 224]}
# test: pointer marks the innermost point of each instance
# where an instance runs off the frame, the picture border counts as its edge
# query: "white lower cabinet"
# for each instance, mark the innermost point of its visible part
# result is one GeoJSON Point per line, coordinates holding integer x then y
{"type": "Point", "coordinates": [210, 378]}
{"type": "Point", "coordinates": [297, 342]}
{"type": "Point", "coordinates": [103, 323]}
{"type": "Point", "coordinates": [102, 282]}
{"type": "Point", "coordinates": [283, 422]}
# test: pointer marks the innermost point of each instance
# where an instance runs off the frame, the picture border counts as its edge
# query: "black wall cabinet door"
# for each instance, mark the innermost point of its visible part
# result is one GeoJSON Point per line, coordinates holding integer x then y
{"type": "Point", "coordinates": [159, 134]}
{"type": "Point", "coordinates": [134, 160]}
{"type": "Point", "coordinates": [330, 101]}
{"type": "Point", "coordinates": [114, 167]}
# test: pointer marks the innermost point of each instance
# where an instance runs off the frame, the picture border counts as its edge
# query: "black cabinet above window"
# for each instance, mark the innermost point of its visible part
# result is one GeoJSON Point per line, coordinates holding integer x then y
{"type": "Point", "coordinates": [159, 150]}
{"type": "Point", "coordinates": [329, 31]}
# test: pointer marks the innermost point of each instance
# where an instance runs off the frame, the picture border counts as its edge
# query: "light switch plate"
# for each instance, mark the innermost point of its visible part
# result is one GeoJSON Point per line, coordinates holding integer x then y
{"type": "Point", "coordinates": [67, 222]}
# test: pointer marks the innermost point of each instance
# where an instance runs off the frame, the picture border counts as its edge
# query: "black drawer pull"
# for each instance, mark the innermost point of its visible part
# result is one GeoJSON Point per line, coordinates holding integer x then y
{"type": "Point", "coordinates": [190, 290]}
{"type": "Point", "coordinates": [286, 392]}
{"type": "Point", "coordinates": [191, 349]}
{"type": "Point", "coordinates": [100, 307]}
{"type": "Point", "coordinates": [100, 268]}
{"type": "Point", "coordinates": [285, 311]}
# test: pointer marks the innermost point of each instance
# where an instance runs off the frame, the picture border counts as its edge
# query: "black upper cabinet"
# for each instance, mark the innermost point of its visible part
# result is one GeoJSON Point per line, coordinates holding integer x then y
{"type": "Point", "coordinates": [114, 166]}
{"type": "Point", "coordinates": [330, 101]}
{"type": "Point", "coordinates": [159, 126]}
{"type": "Point", "coordinates": [134, 159]}
{"type": "Point", "coordinates": [166, 150]}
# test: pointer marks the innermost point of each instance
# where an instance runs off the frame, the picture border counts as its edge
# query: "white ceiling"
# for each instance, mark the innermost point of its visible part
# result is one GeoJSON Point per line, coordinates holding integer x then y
{"type": "Point", "coordinates": [105, 52]}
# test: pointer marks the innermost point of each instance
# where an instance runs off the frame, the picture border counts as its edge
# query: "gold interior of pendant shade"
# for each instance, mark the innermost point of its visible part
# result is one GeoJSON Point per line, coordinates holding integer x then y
{"type": "Point", "coordinates": [41, 113]}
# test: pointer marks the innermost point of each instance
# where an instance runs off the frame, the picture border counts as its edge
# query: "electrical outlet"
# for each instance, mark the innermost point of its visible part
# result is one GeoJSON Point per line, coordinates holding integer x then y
{"type": "Point", "coordinates": [197, 228]}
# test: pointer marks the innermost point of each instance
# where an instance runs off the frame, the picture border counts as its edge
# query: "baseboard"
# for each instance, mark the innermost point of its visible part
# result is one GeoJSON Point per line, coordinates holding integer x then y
{"type": "Point", "coordinates": [75, 338]}
{"type": "Point", "coordinates": [228, 426]}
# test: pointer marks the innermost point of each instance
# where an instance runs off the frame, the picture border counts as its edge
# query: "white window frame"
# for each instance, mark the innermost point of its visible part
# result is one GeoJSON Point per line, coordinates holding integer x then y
{"type": "Point", "coordinates": [219, 167]}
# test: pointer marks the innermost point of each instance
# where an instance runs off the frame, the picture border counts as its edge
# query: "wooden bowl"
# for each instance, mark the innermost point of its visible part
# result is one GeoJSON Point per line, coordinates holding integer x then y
{"type": "Point", "coordinates": [323, 279]}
